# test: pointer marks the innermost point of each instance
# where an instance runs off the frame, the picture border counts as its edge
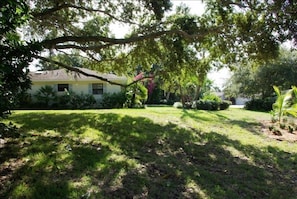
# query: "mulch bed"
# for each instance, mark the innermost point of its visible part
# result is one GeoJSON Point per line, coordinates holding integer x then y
{"type": "Point", "coordinates": [280, 135]}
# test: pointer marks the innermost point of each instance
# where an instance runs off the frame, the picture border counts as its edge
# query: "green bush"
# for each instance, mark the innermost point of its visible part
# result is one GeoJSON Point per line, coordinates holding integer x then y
{"type": "Point", "coordinates": [63, 101]}
{"type": "Point", "coordinates": [81, 101]}
{"type": "Point", "coordinates": [260, 104]}
{"type": "Point", "coordinates": [113, 100]}
{"type": "Point", "coordinates": [211, 102]}
{"type": "Point", "coordinates": [225, 104]}
{"type": "Point", "coordinates": [136, 96]}
{"type": "Point", "coordinates": [210, 105]}
{"type": "Point", "coordinates": [46, 96]}
{"type": "Point", "coordinates": [212, 97]}
{"type": "Point", "coordinates": [214, 105]}
{"type": "Point", "coordinates": [68, 100]}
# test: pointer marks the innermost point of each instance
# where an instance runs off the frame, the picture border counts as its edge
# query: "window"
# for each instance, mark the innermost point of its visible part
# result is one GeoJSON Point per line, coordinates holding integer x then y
{"type": "Point", "coordinates": [63, 87]}
{"type": "Point", "coordinates": [97, 89]}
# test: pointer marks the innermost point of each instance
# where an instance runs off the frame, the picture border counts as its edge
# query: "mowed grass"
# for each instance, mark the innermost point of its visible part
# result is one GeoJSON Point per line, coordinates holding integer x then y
{"type": "Point", "coordinates": [146, 153]}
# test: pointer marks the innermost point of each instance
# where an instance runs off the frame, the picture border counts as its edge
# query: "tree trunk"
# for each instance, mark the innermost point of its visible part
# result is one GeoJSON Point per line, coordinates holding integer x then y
{"type": "Point", "coordinates": [197, 93]}
{"type": "Point", "coordinates": [167, 96]}
{"type": "Point", "coordinates": [182, 96]}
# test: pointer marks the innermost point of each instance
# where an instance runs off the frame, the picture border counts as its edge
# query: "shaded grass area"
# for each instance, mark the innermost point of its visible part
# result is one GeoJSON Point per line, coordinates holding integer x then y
{"type": "Point", "coordinates": [150, 153]}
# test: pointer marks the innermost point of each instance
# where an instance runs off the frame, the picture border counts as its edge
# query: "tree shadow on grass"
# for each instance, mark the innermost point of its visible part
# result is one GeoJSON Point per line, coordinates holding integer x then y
{"type": "Point", "coordinates": [133, 157]}
{"type": "Point", "coordinates": [247, 124]}
{"type": "Point", "coordinates": [201, 117]}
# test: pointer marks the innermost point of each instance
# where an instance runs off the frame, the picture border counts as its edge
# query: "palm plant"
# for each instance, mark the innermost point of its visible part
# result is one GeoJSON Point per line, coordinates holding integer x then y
{"type": "Point", "coordinates": [285, 104]}
{"type": "Point", "coordinates": [136, 95]}
{"type": "Point", "coordinates": [45, 95]}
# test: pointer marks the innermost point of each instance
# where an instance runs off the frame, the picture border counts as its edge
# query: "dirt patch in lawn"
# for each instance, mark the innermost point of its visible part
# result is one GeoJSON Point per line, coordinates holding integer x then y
{"type": "Point", "coordinates": [274, 131]}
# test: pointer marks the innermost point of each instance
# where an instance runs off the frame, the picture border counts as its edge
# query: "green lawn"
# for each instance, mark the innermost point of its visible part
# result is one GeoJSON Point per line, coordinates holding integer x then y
{"type": "Point", "coordinates": [146, 153]}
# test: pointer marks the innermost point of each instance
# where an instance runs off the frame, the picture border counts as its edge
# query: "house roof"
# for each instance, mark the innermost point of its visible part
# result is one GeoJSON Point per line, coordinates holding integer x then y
{"type": "Point", "coordinates": [64, 75]}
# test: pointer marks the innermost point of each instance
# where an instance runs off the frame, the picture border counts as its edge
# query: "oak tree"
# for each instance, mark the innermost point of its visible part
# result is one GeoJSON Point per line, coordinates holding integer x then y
{"type": "Point", "coordinates": [228, 32]}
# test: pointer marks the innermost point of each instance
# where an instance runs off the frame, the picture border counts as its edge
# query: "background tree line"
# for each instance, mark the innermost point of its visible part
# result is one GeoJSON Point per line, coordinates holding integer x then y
{"type": "Point", "coordinates": [257, 82]}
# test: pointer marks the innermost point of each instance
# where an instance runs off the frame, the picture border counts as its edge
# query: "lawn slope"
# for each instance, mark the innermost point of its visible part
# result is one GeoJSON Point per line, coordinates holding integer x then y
{"type": "Point", "coordinates": [145, 153]}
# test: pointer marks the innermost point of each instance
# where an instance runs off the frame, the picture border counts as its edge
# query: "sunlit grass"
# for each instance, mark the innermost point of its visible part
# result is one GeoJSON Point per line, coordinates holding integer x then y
{"type": "Point", "coordinates": [146, 153]}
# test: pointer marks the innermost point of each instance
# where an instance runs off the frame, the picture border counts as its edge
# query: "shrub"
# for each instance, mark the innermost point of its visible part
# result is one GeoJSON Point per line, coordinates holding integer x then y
{"type": "Point", "coordinates": [46, 96]}
{"type": "Point", "coordinates": [24, 100]}
{"type": "Point", "coordinates": [212, 97]}
{"type": "Point", "coordinates": [63, 101]}
{"type": "Point", "coordinates": [206, 105]}
{"type": "Point", "coordinates": [113, 100]}
{"type": "Point", "coordinates": [225, 104]}
{"type": "Point", "coordinates": [82, 101]}
{"type": "Point", "coordinates": [167, 102]}
{"type": "Point", "coordinates": [260, 104]}
{"type": "Point", "coordinates": [214, 105]}
{"type": "Point", "coordinates": [254, 104]}
{"type": "Point", "coordinates": [71, 100]}
{"type": "Point", "coordinates": [136, 95]}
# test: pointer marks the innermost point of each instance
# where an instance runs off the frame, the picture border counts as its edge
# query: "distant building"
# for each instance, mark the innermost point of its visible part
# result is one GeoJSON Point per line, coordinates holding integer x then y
{"type": "Point", "coordinates": [241, 100]}
{"type": "Point", "coordinates": [62, 80]}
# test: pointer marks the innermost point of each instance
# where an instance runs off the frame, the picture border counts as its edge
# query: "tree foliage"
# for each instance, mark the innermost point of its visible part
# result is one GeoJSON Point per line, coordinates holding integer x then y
{"type": "Point", "coordinates": [15, 55]}
{"type": "Point", "coordinates": [230, 31]}
{"type": "Point", "coordinates": [250, 29]}
{"type": "Point", "coordinates": [252, 80]}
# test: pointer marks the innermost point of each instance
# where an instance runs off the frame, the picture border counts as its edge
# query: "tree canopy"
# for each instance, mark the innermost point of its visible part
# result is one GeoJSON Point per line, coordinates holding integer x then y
{"type": "Point", "coordinates": [15, 55]}
{"type": "Point", "coordinates": [252, 81]}
{"type": "Point", "coordinates": [229, 31]}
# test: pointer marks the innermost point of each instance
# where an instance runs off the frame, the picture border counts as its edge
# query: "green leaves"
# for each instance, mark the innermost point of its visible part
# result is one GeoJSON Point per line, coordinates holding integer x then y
{"type": "Point", "coordinates": [97, 26]}
{"type": "Point", "coordinates": [250, 29]}
{"type": "Point", "coordinates": [159, 7]}
{"type": "Point", "coordinates": [285, 103]}
{"type": "Point", "coordinates": [136, 95]}
{"type": "Point", "coordinates": [256, 79]}
{"type": "Point", "coordinates": [13, 13]}
{"type": "Point", "coordinates": [15, 55]}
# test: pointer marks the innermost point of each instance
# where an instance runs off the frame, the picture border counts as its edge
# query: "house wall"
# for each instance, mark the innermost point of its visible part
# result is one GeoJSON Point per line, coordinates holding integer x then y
{"type": "Point", "coordinates": [77, 87]}
{"type": "Point", "coordinates": [241, 100]}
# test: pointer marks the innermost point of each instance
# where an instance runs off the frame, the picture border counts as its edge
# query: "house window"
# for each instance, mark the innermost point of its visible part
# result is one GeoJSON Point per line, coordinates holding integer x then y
{"type": "Point", "coordinates": [97, 89]}
{"type": "Point", "coordinates": [63, 87]}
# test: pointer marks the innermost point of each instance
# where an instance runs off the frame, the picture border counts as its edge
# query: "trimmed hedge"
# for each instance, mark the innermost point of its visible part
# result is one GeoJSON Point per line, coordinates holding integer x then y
{"type": "Point", "coordinates": [211, 105]}
{"type": "Point", "coordinates": [260, 104]}
{"type": "Point", "coordinates": [113, 100]}
{"type": "Point", "coordinates": [207, 105]}
{"type": "Point", "coordinates": [225, 104]}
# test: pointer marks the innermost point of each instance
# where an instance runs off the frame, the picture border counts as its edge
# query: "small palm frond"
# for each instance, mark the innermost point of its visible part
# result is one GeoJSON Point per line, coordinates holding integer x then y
{"type": "Point", "coordinates": [291, 111]}
{"type": "Point", "coordinates": [284, 104]}
{"type": "Point", "coordinates": [294, 100]}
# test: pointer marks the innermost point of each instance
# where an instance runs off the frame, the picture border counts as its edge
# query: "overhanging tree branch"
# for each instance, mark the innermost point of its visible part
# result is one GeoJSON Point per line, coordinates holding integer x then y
{"type": "Point", "coordinates": [54, 43]}
{"type": "Point", "coordinates": [77, 70]}
{"type": "Point", "coordinates": [83, 48]}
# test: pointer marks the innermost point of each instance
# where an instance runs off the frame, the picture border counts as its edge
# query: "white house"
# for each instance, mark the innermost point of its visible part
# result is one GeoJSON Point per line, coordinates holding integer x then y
{"type": "Point", "coordinates": [62, 79]}
{"type": "Point", "coordinates": [241, 100]}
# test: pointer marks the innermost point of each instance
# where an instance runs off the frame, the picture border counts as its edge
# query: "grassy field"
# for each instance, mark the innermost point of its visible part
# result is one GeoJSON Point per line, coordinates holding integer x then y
{"type": "Point", "coordinates": [145, 153]}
